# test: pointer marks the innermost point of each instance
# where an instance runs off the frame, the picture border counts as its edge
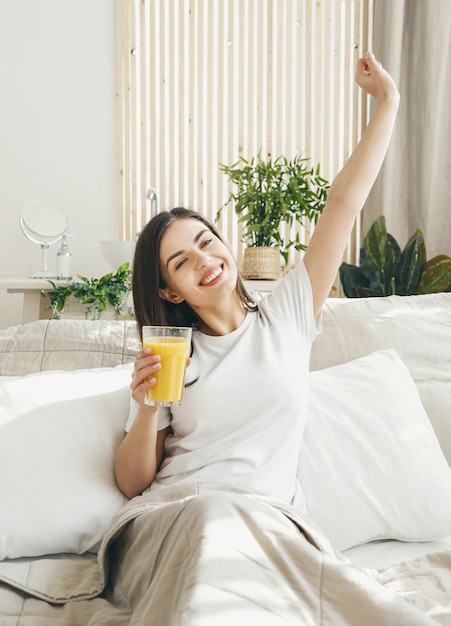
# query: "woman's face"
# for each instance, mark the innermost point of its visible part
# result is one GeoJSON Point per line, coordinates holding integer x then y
{"type": "Point", "coordinates": [196, 265]}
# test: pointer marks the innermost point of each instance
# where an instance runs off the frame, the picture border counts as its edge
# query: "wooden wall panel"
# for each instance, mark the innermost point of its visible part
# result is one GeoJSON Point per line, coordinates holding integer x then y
{"type": "Point", "coordinates": [201, 82]}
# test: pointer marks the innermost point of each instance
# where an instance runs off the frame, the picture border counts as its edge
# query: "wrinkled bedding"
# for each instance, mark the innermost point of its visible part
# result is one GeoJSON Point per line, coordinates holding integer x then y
{"type": "Point", "coordinates": [212, 555]}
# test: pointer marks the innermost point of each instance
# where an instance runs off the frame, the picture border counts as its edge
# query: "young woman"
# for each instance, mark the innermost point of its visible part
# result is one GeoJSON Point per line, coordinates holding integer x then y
{"type": "Point", "coordinates": [245, 403]}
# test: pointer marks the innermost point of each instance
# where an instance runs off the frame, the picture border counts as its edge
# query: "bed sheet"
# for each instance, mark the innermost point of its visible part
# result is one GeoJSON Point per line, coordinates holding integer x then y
{"type": "Point", "coordinates": [387, 553]}
{"type": "Point", "coordinates": [208, 555]}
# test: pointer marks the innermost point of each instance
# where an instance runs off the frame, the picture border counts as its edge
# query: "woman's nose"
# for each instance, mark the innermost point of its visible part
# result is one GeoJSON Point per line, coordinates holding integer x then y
{"type": "Point", "coordinates": [202, 259]}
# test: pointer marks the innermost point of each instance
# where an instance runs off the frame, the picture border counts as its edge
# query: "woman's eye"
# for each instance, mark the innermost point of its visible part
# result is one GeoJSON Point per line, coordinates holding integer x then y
{"type": "Point", "coordinates": [180, 263]}
{"type": "Point", "coordinates": [206, 242]}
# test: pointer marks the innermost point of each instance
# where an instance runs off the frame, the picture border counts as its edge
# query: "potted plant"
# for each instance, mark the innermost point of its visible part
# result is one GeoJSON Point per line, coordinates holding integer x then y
{"type": "Point", "coordinates": [96, 293]}
{"type": "Point", "coordinates": [269, 196]}
{"type": "Point", "coordinates": [385, 269]}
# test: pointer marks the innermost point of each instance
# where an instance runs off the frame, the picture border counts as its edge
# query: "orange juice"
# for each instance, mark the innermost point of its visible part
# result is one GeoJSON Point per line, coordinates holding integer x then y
{"type": "Point", "coordinates": [173, 351]}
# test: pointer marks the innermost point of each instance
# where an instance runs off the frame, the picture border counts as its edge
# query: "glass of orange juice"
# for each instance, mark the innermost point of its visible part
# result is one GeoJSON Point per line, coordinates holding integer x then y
{"type": "Point", "coordinates": [173, 344]}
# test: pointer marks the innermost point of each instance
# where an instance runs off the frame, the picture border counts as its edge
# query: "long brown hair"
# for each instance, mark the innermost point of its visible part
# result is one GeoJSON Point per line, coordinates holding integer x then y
{"type": "Point", "coordinates": [147, 279]}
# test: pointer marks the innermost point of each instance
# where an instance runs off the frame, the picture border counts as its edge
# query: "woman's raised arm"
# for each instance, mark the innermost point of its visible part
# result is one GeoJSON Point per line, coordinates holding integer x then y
{"type": "Point", "coordinates": [353, 183]}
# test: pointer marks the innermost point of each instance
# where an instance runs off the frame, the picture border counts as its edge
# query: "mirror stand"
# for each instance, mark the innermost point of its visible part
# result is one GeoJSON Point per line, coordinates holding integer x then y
{"type": "Point", "coordinates": [44, 273]}
{"type": "Point", "coordinates": [44, 224]}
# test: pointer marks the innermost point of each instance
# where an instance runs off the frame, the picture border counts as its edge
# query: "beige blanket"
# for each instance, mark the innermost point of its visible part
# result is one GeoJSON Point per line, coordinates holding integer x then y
{"type": "Point", "coordinates": [211, 556]}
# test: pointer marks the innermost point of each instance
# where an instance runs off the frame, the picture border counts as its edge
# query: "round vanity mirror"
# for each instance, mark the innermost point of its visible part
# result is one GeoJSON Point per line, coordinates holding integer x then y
{"type": "Point", "coordinates": [43, 223]}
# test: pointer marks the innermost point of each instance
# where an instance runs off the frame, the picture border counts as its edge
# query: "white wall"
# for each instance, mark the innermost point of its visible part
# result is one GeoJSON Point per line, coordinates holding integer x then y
{"type": "Point", "coordinates": [57, 130]}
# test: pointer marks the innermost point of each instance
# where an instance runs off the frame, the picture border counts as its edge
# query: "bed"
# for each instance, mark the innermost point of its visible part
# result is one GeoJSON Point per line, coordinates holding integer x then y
{"type": "Point", "coordinates": [370, 544]}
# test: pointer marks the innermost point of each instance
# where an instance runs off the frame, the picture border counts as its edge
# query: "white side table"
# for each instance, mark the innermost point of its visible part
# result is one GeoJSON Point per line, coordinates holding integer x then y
{"type": "Point", "coordinates": [34, 305]}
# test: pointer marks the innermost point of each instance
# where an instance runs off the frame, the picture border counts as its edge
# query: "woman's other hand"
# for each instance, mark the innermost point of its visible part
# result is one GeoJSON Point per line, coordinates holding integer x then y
{"type": "Point", "coordinates": [374, 79]}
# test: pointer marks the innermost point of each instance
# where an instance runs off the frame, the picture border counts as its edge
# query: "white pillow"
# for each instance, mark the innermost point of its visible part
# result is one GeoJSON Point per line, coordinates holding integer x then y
{"type": "Point", "coordinates": [58, 434]}
{"type": "Point", "coordinates": [371, 466]}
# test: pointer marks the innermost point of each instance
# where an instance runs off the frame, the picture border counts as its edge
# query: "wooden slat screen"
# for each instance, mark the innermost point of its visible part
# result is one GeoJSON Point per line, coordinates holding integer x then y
{"type": "Point", "coordinates": [201, 82]}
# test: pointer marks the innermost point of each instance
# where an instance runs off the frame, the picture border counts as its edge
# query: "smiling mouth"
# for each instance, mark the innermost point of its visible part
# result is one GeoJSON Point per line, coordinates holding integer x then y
{"type": "Point", "coordinates": [211, 277]}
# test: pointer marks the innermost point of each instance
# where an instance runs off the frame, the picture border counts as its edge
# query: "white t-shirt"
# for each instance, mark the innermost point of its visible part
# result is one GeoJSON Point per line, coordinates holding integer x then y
{"type": "Point", "coordinates": [242, 421]}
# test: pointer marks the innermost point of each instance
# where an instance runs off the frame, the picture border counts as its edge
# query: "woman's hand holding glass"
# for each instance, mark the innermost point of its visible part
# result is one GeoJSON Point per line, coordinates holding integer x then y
{"type": "Point", "coordinates": [143, 376]}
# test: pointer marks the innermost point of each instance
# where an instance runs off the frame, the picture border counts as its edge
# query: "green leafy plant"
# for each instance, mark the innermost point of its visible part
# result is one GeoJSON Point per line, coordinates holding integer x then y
{"type": "Point", "coordinates": [58, 297]}
{"type": "Point", "coordinates": [270, 195]}
{"type": "Point", "coordinates": [385, 269]}
{"type": "Point", "coordinates": [96, 293]}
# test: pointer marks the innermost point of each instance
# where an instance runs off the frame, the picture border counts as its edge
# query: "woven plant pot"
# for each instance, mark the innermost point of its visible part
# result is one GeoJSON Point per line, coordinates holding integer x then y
{"type": "Point", "coordinates": [261, 263]}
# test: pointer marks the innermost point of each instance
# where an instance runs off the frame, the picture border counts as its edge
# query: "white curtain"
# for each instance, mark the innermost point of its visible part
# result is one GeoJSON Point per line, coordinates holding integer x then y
{"type": "Point", "coordinates": [412, 38]}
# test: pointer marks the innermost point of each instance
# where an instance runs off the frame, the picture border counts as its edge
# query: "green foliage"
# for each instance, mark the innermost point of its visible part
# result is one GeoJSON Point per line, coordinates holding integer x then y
{"type": "Point", "coordinates": [58, 298]}
{"type": "Point", "coordinates": [385, 269]}
{"type": "Point", "coordinates": [97, 293]}
{"type": "Point", "coordinates": [269, 196]}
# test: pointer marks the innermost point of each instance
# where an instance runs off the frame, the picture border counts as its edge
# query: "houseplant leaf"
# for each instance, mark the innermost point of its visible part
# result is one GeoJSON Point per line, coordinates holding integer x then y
{"type": "Point", "coordinates": [360, 281]}
{"type": "Point", "coordinates": [374, 243]}
{"type": "Point", "coordinates": [350, 276]}
{"type": "Point", "coordinates": [380, 253]}
{"type": "Point", "coordinates": [381, 263]}
{"type": "Point", "coordinates": [408, 271]}
{"type": "Point", "coordinates": [392, 258]}
{"type": "Point", "coordinates": [435, 275]}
